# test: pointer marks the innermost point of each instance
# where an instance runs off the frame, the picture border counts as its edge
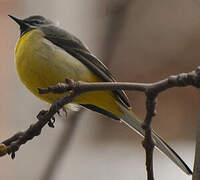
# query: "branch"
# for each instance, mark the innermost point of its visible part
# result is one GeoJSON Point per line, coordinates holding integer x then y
{"type": "Point", "coordinates": [148, 142]}
{"type": "Point", "coordinates": [11, 145]}
{"type": "Point", "coordinates": [152, 90]}
{"type": "Point", "coordinates": [180, 80]}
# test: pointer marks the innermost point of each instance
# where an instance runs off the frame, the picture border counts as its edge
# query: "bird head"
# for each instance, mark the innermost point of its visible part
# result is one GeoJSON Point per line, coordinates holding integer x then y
{"type": "Point", "coordinates": [31, 22]}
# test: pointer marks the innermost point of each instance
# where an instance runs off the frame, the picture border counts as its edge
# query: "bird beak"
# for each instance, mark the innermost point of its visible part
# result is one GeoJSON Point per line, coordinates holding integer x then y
{"type": "Point", "coordinates": [17, 20]}
{"type": "Point", "coordinates": [24, 27]}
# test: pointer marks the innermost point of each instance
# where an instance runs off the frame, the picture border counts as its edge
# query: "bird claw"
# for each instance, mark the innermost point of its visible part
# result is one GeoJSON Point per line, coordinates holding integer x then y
{"type": "Point", "coordinates": [13, 155]}
{"type": "Point", "coordinates": [58, 112]}
{"type": "Point", "coordinates": [51, 122]}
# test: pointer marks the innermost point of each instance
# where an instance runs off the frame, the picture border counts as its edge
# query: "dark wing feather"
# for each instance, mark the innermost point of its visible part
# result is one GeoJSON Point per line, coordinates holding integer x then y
{"type": "Point", "coordinates": [77, 49]}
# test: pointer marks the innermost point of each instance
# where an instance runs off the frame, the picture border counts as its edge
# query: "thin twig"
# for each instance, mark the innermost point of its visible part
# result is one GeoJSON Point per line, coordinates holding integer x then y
{"type": "Point", "coordinates": [180, 80]}
{"type": "Point", "coordinates": [148, 143]}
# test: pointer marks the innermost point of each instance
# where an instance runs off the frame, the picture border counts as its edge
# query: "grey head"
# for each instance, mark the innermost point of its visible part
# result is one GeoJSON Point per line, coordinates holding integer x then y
{"type": "Point", "coordinates": [37, 20]}
{"type": "Point", "coordinates": [31, 22]}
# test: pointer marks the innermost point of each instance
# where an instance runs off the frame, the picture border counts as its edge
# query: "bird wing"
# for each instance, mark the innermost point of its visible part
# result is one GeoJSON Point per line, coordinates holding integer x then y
{"type": "Point", "coordinates": [77, 49]}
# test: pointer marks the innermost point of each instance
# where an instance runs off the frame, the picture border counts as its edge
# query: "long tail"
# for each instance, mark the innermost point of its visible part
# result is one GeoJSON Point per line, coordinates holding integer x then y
{"type": "Point", "coordinates": [134, 123]}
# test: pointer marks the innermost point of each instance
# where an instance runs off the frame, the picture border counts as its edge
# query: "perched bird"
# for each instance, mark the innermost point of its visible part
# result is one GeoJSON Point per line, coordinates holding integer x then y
{"type": "Point", "coordinates": [46, 54]}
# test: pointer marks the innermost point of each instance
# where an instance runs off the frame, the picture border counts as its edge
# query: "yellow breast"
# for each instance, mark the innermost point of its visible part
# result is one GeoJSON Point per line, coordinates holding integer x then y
{"type": "Point", "coordinates": [40, 64]}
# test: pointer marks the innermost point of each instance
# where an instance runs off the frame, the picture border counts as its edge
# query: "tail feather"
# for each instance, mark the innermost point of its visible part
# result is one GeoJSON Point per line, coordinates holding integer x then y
{"type": "Point", "coordinates": [134, 123]}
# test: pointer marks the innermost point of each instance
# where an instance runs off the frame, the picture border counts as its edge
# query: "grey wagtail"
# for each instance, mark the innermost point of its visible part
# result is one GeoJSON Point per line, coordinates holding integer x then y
{"type": "Point", "coordinates": [46, 54]}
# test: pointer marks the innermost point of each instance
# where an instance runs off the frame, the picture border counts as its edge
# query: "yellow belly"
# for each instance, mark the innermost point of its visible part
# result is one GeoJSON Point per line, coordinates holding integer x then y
{"type": "Point", "coordinates": [40, 64]}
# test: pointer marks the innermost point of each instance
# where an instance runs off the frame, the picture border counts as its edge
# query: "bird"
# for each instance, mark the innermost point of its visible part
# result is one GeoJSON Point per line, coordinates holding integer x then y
{"type": "Point", "coordinates": [46, 54]}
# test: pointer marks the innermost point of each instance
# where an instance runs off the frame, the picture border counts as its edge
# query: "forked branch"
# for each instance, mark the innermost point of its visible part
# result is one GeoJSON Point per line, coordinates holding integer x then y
{"type": "Point", "coordinates": [151, 90]}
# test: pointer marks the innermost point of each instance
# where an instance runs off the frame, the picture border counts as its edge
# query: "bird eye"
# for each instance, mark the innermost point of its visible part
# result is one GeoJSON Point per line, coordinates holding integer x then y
{"type": "Point", "coordinates": [35, 22]}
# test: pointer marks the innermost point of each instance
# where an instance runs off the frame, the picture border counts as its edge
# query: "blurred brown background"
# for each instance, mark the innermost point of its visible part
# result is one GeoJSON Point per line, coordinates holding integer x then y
{"type": "Point", "coordinates": [141, 41]}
